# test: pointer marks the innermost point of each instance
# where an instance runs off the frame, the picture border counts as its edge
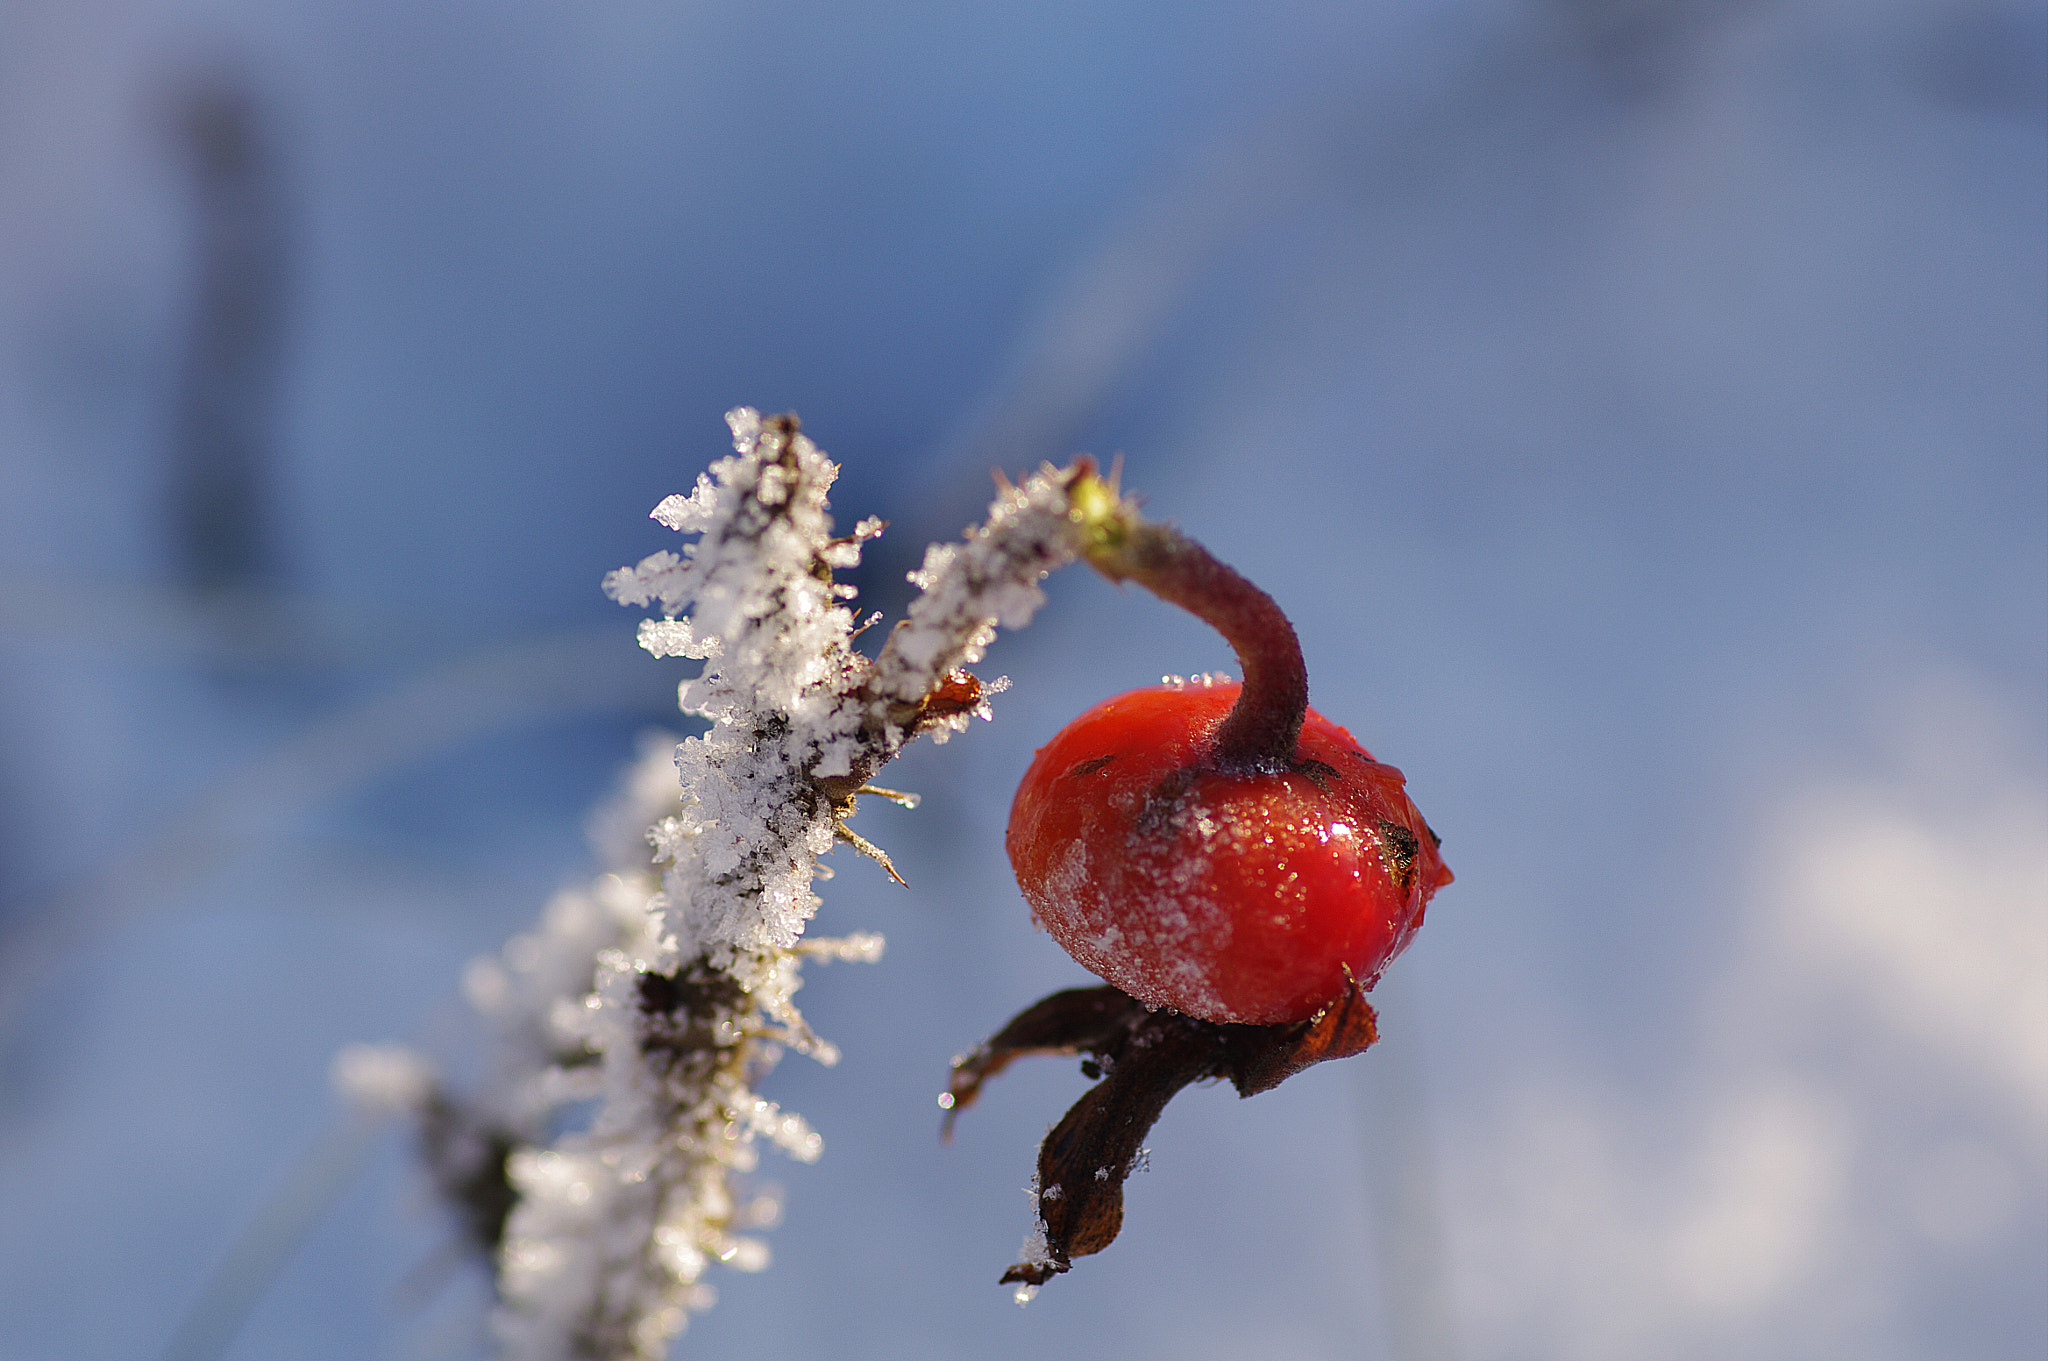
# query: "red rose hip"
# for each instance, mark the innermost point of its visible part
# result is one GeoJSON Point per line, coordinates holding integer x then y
{"type": "Point", "coordinates": [1228, 893]}
{"type": "Point", "coordinates": [1234, 864]}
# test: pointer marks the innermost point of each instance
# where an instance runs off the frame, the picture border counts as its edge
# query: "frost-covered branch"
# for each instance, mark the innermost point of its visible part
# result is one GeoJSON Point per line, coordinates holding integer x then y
{"type": "Point", "coordinates": [666, 1002]}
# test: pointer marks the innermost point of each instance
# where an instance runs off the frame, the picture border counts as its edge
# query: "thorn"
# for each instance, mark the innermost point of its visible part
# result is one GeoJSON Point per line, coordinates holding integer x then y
{"type": "Point", "coordinates": [866, 848]}
{"type": "Point", "coordinates": [895, 796]}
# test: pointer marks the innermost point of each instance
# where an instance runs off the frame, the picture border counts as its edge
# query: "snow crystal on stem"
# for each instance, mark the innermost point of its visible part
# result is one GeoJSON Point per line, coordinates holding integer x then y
{"type": "Point", "coordinates": [666, 998]}
{"type": "Point", "coordinates": [383, 1079]}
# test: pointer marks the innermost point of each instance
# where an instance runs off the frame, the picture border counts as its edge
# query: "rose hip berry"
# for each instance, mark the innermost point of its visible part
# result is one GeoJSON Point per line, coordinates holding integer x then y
{"type": "Point", "coordinates": [1235, 866]}
{"type": "Point", "coordinates": [1219, 849]}
{"type": "Point", "coordinates": [1229, 895]}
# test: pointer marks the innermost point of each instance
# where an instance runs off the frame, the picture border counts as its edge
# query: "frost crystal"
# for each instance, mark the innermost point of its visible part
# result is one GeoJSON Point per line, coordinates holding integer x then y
{"type": "Point", "coordinates": [663, 1000]}
{"type": "Point", "coordinates": [384, 1078]}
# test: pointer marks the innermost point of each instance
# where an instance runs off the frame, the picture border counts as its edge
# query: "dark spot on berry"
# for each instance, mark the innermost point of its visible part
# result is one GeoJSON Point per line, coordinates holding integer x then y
{"type": "Point", "coordinates": [1163, 803]}
{"type": "Point", "coordinates": [1319, 772]}
{"type": "Point", "coordinates": [1400, 845]}
{"type": "Point", "coordinates": [1089, 767]}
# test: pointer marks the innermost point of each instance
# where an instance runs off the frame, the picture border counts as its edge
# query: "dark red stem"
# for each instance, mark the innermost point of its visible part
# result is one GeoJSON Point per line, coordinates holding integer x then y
{"type": "Point", "coordinates": [1261, 729]}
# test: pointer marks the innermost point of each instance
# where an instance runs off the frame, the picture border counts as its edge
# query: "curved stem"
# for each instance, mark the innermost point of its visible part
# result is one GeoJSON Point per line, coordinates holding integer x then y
{"type": "Point", "coordinates": [1261, 729]}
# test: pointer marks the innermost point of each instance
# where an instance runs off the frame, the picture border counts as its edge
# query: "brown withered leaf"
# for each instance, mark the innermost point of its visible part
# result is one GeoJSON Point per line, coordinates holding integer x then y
{"type": "Point", "coordinates": [1143, 1058]}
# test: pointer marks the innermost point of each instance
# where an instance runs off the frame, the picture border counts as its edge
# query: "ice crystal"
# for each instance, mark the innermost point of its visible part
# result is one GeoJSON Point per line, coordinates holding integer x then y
{"type": "Point", "coordinates": [384, 1079]}
{"type": "Point", "coordinates": [664, 992]}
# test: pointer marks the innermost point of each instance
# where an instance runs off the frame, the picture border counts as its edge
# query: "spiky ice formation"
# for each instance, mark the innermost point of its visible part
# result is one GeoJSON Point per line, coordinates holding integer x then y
{"type": "Point", "coordinates": [682, 998]}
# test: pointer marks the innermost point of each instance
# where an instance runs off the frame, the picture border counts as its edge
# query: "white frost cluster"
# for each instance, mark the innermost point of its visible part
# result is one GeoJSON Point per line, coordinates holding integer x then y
{"type": "Point", "coordinates": [664, 1000]}
{"type": "Point", "coordinates": [383, 1079]}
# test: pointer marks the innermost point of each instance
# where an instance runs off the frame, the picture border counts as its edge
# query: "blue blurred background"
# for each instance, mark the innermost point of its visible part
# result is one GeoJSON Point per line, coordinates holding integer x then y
{"type": "Point", "coordinates": [1639, 404]}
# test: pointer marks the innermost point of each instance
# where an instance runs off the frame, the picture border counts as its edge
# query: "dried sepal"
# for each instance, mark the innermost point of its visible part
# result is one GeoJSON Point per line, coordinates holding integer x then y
{"type": "Point", "coordinates": [1142, 1058]}
{"type": "Point", "coordinates": [1076, 1021]}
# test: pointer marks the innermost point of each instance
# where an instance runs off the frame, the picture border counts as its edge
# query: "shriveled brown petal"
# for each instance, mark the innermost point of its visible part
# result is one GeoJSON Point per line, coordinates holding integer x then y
{"type": "Point", "coordinates": [1263, 1057]}
{"type": "Point", "coordinates": [1074, 1021]}
{"type": "Point", "coordinates": [1085, 1160]}
{"type": "Point", "coordinates": [1145, 1058]}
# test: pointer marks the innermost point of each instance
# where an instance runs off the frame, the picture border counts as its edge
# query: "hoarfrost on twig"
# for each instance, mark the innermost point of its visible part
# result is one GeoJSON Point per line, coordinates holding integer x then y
{"type": "Point", "coordinates": [666, 999]}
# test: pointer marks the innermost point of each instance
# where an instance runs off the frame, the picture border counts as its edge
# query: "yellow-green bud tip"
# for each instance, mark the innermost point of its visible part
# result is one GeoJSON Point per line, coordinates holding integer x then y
{"type": "Point", "coordinates": [1105, 519]}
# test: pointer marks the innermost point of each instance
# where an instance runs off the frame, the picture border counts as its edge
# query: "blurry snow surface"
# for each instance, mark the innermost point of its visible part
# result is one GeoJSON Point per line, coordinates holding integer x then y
{"type": "Point", "coordinates": [1639, 407]}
